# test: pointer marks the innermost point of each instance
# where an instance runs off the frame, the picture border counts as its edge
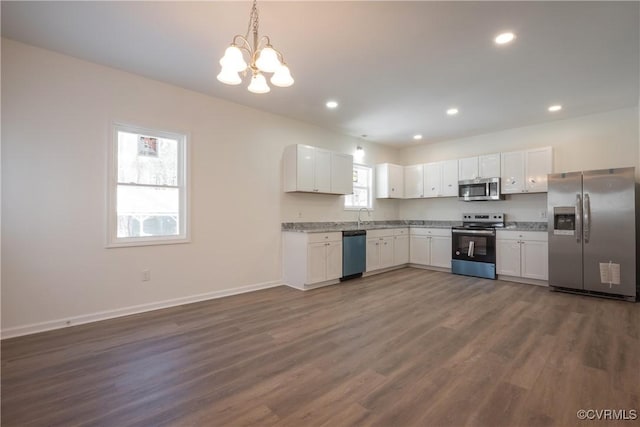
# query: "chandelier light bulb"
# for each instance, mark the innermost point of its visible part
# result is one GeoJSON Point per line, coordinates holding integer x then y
{"type": "Point", "coordinates": [258, 84]}
{"type": "Point", "coordinates": [282, 77]}
{"type": "Point", "coordinates": [233, 59]}
{"type": "Point", "coordinates": [268, 61]}
{"type": "Point", "coordinates": [229, 76]}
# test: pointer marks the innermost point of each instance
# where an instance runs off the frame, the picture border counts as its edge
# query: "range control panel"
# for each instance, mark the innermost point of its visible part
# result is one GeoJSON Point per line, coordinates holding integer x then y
{"type": "Point", "coordinates": [488, 217]}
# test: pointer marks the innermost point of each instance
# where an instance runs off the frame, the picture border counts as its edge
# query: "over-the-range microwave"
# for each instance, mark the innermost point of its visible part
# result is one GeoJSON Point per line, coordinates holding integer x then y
{"type": "Point", "coordinates": [479, 189]}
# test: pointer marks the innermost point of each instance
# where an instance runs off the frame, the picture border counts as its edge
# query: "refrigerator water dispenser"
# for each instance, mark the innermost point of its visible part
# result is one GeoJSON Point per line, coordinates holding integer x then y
{"type": "Point", "coordinates": [564, 220]}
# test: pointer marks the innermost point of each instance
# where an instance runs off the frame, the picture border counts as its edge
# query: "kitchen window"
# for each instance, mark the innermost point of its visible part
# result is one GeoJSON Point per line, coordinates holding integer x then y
{"type": "Point", "coordinates": [147, 187]}
{"type": "Point", "coordinates": [362, 196]}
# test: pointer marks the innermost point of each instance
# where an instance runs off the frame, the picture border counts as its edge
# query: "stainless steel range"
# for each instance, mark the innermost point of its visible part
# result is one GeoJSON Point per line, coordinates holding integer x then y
{"type": "Point", "coordinates": [473, 245]}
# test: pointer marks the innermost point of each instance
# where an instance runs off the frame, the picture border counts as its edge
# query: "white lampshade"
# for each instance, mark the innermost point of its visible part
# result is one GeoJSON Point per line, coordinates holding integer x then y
{"type": "Point", "coordinates": [229, 76]}
{"type": "Point", "coordinates": [268, 61]}
{"type": "Point", "coordinates": [233, 59]}
{"type": "Point", "coordinates": [258, 84]}
{"type": "Point", "coordinates": [282, 77]}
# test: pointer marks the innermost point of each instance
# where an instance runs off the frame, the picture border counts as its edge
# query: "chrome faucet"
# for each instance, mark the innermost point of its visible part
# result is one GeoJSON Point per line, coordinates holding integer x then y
{"type": "Point", "coordinates": [360, 212]}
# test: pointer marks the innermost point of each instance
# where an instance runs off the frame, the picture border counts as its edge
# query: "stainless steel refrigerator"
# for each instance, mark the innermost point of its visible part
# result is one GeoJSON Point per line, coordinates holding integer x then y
{"type": "Point", "coordinates": [592, 232]}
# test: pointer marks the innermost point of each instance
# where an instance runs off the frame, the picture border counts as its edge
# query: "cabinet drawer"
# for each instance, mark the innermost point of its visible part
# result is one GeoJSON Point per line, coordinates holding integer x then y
{"type": "Point", "coordinates": [400, 231]}
{"type": "Point", "coordinates": [324, 237]}
{"type": "Point", "coordinates": [444, 232]}
{"type": "Point", "coordinates": [535, 236]}
{"type": "Point", "coordinates": [372, 234]}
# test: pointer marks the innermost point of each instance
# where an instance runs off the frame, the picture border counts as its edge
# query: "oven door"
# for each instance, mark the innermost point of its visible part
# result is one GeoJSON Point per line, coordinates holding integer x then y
{"type": "Point", "coordinates": [474, 245]}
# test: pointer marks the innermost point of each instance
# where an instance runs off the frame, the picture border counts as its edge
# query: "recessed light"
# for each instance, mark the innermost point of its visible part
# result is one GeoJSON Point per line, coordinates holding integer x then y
{"type": "Point", "coordinates": [555, 108]}
{"type": "Point", "coordinates": [504, 38]}
{"type": "Point", "coordinates": [452, 111]}
{"type": "Point", "coordinates": [332, 104]}
{"type": "Point", "coordinates": [417, 137]}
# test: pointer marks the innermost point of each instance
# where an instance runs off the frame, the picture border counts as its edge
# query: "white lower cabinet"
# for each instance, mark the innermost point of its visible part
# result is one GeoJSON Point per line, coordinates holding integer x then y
{"type": "Point", "coordinates": [522, 254]}
{"type": "Point", "coordinates": [430, 247]}
{"type": "Point", "coordinates": [387, 248]}
{"type": "Point", "coordinates": [311, 258]}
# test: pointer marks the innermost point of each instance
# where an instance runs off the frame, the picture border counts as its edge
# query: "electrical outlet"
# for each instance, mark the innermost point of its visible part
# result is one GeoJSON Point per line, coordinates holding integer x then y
{"type": "Point", "coordinates": [146, 275]}
{"type": "Point", "coordinates": [299, 214]}
{"type": "Point", "coordinates": [543, 214]}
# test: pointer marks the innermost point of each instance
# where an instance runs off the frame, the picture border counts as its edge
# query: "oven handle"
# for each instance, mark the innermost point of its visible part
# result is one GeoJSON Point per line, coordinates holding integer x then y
{"type": "Point", "coordinates": [481, 232]}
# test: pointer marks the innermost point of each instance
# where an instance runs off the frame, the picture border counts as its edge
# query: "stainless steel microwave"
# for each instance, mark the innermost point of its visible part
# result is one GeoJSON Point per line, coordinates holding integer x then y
{"type": "Point", "coordinates": [479, 189]}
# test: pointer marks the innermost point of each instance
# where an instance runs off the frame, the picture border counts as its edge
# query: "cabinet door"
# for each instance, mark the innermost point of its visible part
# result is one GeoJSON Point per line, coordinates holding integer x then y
{"type": "Point", "coordinates": [322, 173]}
{"type": "Point", "coordinates": [468, 168]}
{"type": "Point", "coordinates": [334, 260]}
{"type": "Point", "coordinates": [450, 178]}
{"type": "Point", "coordinates": [508, 257]}
{"type": "Point", "coordinates": [512, 175]}
{"type": "Point", "coordinates": [316, 262]}
{"type": "Point", "coordinates": [341, 173]}
{"type": "Point", "coordinates": [401, 250]}
{"type": "Point", "coordinates": [383, 184]}
{"type": "Point", "coordinates": [432, 179]}
{"type": "Point", "coordinates": [396, 181]}
{"type": "Point", "coordinates": [419, 250]}
{"type": "Point", "coordinates": [538, 164]}
{"type": "Point", "coordinates": [535, 260]}
{"type": "Point", "coordinates": [441, 251]}
{"type": "Point", "coordinates": [413, 182]}
{"type": "Point", "coordinates": [305, 168]}
{"type": "Point", "coordinates": [386, 252]}
{"type": "Point", "coordinates": [373, 254]}
{"type": "Point", "coordinates": [489, 165]}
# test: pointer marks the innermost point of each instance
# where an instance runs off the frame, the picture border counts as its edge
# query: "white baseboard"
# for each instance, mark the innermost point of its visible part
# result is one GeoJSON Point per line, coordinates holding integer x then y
{"type": "Point", "coordinates": [33, 328]}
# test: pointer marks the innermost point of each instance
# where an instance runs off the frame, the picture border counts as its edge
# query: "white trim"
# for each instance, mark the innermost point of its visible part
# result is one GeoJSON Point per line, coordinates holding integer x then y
{"type": "Point", "coordinates": [134, 309]}
{"type": "Point", "coordinates": [184, 185]}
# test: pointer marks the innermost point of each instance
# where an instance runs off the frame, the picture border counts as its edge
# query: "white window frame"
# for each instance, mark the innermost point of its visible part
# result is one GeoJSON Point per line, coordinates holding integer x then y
{"type": "Point", "coordinates": [369, 187]}
{"type": "Point", "coordinates": [183, 236]}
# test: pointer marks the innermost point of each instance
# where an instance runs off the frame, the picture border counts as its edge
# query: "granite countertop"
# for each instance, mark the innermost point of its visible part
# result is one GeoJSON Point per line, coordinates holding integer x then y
{"type": "Point", "coordinates": [325, 227]}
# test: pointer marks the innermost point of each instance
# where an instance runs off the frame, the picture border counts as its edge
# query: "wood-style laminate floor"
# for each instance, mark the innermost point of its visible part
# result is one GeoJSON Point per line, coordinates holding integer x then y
{"type": "Point", "coordinates": [409, 347]}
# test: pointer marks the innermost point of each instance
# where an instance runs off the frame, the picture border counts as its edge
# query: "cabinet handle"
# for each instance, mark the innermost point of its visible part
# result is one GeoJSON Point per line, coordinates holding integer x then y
{"type": "Point", "coordinates": [533, 181]}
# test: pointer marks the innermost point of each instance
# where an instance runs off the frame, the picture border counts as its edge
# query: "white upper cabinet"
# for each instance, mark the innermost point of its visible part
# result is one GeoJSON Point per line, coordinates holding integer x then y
{"type": "Point", "coordinates": [432, 179]}
{"type": "Point", "coordinates": [512, 175]}
{"type": "Point", "coordinates": [487, 166]}
{"type": "Point", "coordinates": [341, 173]}
{"type": "Point", "coordinates": [538, 164]}
{"type": "Point", "coordinates": [312, 169]}
{"type": "Point", "coordinates": [389, 181]}
{"type": "Point", "coordinates": [526, 171]}
{"type": "Point", "coordinates": [449, 178]}
{"type": "Point", "coordinates": [441, 179]}
{"type": "Point", "coordinates": [468, 168]}
{"type": "Point", "coordinates": [413, 182]}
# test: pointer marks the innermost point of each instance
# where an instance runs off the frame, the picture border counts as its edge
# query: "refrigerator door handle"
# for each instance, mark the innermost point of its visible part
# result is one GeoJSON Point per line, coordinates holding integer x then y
{"type": "Point", "coordinates": [578, 217]}
{"type": "Point", "coordinates": [587, 217]}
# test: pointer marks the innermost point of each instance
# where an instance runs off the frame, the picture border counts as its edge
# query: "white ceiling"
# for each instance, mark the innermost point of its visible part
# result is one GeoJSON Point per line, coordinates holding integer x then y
{"type": "Point", "coordinates": [395, 67]}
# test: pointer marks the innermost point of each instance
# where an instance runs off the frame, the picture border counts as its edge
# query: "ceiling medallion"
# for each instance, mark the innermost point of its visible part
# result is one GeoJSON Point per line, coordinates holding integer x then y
{"type": "Point", "coordinates": [263, 58]}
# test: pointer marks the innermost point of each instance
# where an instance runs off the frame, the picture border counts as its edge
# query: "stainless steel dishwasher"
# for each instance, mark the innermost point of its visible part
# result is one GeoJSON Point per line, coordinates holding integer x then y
{"type": "Point", "coordinates": [354, 253]}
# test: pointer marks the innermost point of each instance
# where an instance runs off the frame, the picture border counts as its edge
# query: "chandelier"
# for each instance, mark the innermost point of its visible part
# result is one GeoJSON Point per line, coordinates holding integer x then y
{"type": "Point", "coordinates": [263, 58]}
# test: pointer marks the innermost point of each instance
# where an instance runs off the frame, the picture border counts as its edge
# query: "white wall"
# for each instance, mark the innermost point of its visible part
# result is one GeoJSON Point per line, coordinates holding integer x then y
{"type": "Point", "coordinates": [56, 116]}
{"type": "Point", "coordinates": [590, 142]}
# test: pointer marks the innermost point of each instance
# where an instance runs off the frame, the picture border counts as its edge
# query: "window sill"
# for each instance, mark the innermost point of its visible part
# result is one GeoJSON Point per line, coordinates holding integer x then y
{"type": "Point", "coordinates": [147, 242]}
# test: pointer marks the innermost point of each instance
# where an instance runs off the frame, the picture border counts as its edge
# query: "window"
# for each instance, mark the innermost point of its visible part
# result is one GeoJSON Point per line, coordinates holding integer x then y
{"type": "Point", "coordinates": [148, 187]}
{"type": "Point", "coordinates": [361, 197]}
